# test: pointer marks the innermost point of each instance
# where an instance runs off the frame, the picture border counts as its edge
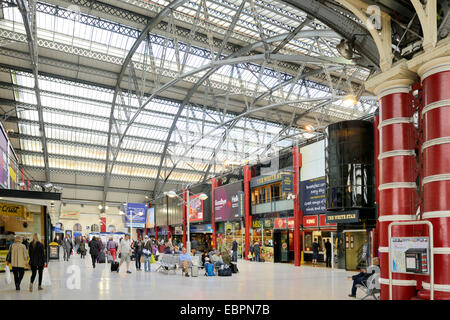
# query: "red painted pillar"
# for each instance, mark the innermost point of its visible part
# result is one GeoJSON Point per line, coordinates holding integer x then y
{"type": "Point", "coordinates": [213, 222]}
{"type": "Point", "coordinates": [184, 219]}
{"type": "Point", "coordinates": [247, 219]}
{"type": "Point", "coordinates": [397, 180]}
{"type": "Point", "coordinates": [297, 219]}
{"type": "Point", "coordinates": [156, 233]}
{"type": "Point", "coordinates": [28, 184]}
{"type": "Point", "coordinates": [103, 224]}
{"type": "Point", "coordinates": [376, 135]}
{"type": "Point", "coordinates": [435, 76]}
{"type": "Point", "coordinates": [23, 179]}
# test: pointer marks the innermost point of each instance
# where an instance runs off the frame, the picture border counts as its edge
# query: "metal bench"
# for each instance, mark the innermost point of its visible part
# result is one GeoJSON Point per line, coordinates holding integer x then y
{"type": "Point", "coordinates": [371, 287]}
{"type": "Point", "coordinates": [167, 262]}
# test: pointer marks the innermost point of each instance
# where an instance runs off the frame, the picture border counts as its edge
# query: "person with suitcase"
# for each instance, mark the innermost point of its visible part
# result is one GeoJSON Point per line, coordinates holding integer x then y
{"type": "Point", "coordinates": [94, 250]}
{"type": "Point", "coordinates": [111, 246]}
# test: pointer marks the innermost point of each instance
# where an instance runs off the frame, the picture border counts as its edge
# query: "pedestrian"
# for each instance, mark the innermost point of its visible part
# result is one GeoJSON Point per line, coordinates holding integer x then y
{"type": "Point", "coordinates": [18, 260]}
{"type": "Point", "coordinates": [137, 247]}
{"type": "Point", "coordinates": [315, 248]}
{"type": "Point", "coordinates": [256, 249]}
{"type": "Point", "coordinates": [250, 252]}
{"type": "Point", "coordinates": [147, 251]}
{"type": "Point", "coordinates": [67, 246]}
{"type": "Point", "coordinates": [112, 246]}
{"type": "Point", "coordinates": [94, 250]}
{"type": "Point", "coordinates": [185, 259]}
{"type": "Point", "coordinates": [328, 253]}
{"type": "Point", "coordinates": [83, 247]}
{"type": "Point", "coordinates": [37, 260]}
{"type": "Point", "coordinates": [234, 249]}
{"type": "Point", "coordinates": [125, 252]}
{"type": "Point", "coordinates": [77, 244]}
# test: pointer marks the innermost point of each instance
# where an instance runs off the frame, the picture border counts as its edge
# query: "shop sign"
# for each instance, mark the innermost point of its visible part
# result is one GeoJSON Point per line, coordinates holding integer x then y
{"type": "Point", "coordinates": [313, 196]}
{"type": "Point", "coordinates": [280, 223]}
{"type": "Point", "coordinates": [150, 218]}
{"type": "Point", "coordinates": [343, 216]}
{"type": "Point", "coordinates": [228, 202]}
{"type": "Point", "coordinates": [256, 224]}
{"type": "Point", "coordinates": [285, 177]}
{"type": "Point", "coordinates": [3, 254]}
{"type": "Point", "coordinates": [323, 221]}
{"type": "Point", "coordinates": [195, 209]}
{"type": "Point", "coordinates": [137, 213]}
{"type": "Point", "coordinates": [197, 228]}
{"type": "Point", "coordinates": [287, 184]}
{"type": "Point", "coordinates": [310, 221]}
{"type": "Point", "coordinates": [13, 175]}
{"type": "Point", "coordinates": [267, 223]}
{"type": "Point", "coordinates": [12, 210]}
{"type": "Point", "coordinates": [228, 226]}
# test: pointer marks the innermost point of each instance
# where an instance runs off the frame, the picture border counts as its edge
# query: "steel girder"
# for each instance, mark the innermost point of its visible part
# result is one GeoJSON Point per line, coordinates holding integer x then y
{"type": "Point", "coordinates": [28, 12]}
{"type": "Point", "coordinates": [344, 26]}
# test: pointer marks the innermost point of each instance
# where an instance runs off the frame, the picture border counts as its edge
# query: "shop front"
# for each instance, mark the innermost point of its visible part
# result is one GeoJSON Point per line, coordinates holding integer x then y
{"type": "Point", "coordinates": [283, 239]}
{"type": "Point", "coordinates": [228, 214]}
{"type": "Point", "coordinates": [202, 233]}
{"type": "Point", "coordinates": [315, 227]}
{"type": "Point", "coordinates": [177, 234]}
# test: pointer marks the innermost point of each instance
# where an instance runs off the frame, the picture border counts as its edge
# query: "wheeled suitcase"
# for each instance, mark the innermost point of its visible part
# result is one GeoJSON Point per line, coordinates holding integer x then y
{"type": "Point", "coordinates": [101, 257]}
{"type": "Point", "coordinates": [234, 268]}
{"type": "Point", "coordinates": [194, 271]}
{"type": "Point", "coordinates": [114, 266]}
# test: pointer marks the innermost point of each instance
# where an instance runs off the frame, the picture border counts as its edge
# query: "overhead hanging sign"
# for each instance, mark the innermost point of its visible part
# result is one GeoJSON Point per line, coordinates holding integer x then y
{"type": "Point", "coordinates": [195, 208]}
{"type": "Point", "coordinates": [136, 215]}
{"type": "Point", "coordinates": [150, 218]}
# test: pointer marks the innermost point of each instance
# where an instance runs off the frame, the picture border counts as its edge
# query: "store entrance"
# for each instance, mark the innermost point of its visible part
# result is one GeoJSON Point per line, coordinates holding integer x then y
{"type": "Point", "coordinates": [356, 249]}
{"type": "Point", "coordinates": [281, 245]}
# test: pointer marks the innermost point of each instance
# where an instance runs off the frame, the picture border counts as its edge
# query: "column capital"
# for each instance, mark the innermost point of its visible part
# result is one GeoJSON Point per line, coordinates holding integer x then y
{"type": "Point", "coordinates": [399, 76]}
{"type": "Point", "coordinates": [432, 61]}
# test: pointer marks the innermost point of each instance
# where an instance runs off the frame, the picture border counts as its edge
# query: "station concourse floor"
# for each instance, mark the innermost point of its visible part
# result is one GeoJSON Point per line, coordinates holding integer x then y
{"type": "Point", "coordinates": [255, 280]}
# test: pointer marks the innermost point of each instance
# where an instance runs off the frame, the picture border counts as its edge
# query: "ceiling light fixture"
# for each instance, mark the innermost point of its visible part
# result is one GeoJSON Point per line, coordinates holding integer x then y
{"type": "Point", "coordinates": [309, 128]}
{"type": "Point", "coordinates": [349, 101]}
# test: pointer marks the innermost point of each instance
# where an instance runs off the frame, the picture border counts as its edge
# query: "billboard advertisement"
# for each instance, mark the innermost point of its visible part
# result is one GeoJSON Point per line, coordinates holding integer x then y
{"type": "Point", "coordinates": [4, 167]}
{"type": "Point", "coordinates": [150, 218]}
{"type": "Point", "coordinates": [313, 196]}
{"type": "Point", "coordinates": [195, 209]}
{"type": "Point", "coordinates": [136, 213]}
{"type": "Point", "coordinates": [228, 202]}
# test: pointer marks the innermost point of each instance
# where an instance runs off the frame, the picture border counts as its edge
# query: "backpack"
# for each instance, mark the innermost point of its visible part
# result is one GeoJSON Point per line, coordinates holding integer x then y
{"type": "Point", "coordinates": [209, 268]}
{"type": "Point", "coordinates": [225, 272]}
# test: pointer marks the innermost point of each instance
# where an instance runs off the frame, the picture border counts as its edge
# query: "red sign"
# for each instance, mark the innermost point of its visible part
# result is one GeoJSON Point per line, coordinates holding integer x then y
{"type": "Point", "coordinates": [280, 223]}
{"type": "Point", "coordinates": [195, 209]}
{"type": "Point", "coordinates": [310, 221]}
{"type": "Point", "coordinates": [323, 221]}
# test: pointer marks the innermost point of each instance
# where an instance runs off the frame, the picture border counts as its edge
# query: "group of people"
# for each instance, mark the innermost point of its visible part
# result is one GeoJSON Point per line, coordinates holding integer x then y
{"type": "Point", "coordinates": [18, 256]}
{"type": "Point", "coordinates": [328, 253]}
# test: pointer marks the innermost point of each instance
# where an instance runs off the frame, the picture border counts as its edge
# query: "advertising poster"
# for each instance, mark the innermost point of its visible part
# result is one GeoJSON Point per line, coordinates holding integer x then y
{"type": "Point", "coordinates": [150, 218]}
{"type": "Point", "coordinates": [410, 254]}
{"type": "Point", "coordinates": [135, 213]}
{"type": "Point", "coordinates": [228, 202]}
{"type": "Point", "coordinates": [4, 167]}
{"type": "Point", "coordinates": [267, 254]}
{"type": "Point", "coordinates": [313, 196]}
{"type": "Point", "coordinates": [195, 209]}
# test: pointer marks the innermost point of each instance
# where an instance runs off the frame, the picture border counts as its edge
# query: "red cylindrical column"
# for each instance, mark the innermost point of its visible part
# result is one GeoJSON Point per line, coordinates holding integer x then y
{"type": "Point", "coordinates": [435, 149]}
{"type": "Point", "coordinates": [397, 186]}
{"type": "Point", "coordinates": [247, 220]}
{"type": "Point", "coordinates": [156, 232]}
{"type": "Point", "coordinates": [296, 164]}
{"type": "Point", "coordinates": [213, 222]}
{"type": "Point", "coordinates": [376, 135]}
{"type": "Point", "coordinates": [184, 218]}
{"type": "Point", "coordinates": [103, 224]}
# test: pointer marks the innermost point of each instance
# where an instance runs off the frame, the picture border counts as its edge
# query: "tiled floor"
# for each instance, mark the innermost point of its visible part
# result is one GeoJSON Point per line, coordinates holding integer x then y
{"type": "Point", "coordinates": [254, 281]}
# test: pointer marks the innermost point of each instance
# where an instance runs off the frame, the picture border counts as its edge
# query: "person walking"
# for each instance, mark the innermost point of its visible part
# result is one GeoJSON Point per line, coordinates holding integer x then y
{"type": "Point", "coordinates": [83, 248]}
{"type": "Point", "coordinates": [234, 249]}
{"type": "Point", "coordinates": [94, 250]}
{"type": "Point", "coordinates": [112, 246]}
{"type": "Point", "coordinates": [137, 247]}
{"type": "Point", "coordinates": [125, 252]}
{"type": "Point", "coordinates": [77, 244]}
{"type": "Point", "coordinates": [328, 253]}
{"type": "Point", "coordinates": [147, 251]}
{"type": "Point", "coordinates": [18, 260]}
{"type": "Point", "coordinates": [67, 246]}
{"type": "Point", "coordinates": [315, 248]}
{"type": "Point", "coordinates": [37, 260]}
{"type": "Point", "coordinates": [257, 251]}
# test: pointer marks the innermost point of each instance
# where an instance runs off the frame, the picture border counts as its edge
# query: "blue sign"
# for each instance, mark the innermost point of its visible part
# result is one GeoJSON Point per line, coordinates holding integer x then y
{"type": "Point", "coordinates": [197, 228]}
{"type": "Point", "coordinates": [136, 213]}
{"type": "Point", "coordinates": [313, 196]}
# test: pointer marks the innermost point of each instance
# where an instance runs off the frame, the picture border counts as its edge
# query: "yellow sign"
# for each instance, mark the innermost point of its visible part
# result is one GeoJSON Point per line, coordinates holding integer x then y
{"type": "Point", "coordinates": [13, 210]}
{"type": "Point", "coordinates": [13, 175]}
{"type": "Point", "coordinates": [3, 254]}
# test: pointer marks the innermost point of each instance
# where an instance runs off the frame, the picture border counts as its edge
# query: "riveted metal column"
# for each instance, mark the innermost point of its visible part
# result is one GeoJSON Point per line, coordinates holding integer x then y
{"type": "Point", "coordinates": [213, 210]}
{"type": "Point", "coordinates": [247, 220]}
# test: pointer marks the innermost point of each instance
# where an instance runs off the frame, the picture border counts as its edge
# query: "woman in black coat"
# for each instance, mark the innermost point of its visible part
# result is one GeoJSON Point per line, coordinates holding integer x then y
{"type": "Point", "coordinates": [37, 260]}
{"type": "Point", "coordinates": [94, 250]}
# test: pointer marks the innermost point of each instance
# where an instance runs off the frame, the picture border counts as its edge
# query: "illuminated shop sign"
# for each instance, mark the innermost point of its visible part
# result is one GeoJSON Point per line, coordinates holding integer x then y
{"type": "Point", "coordinates": [310, 221]}
{"type": "Point", "coordinates": [11, 210]}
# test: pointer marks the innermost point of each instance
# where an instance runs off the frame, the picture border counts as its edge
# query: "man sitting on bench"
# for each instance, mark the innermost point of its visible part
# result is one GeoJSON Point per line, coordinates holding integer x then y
{"type": "Point", "coordinates": [361, 277]}
{"type": "Point", "coordinates": [184, 262]}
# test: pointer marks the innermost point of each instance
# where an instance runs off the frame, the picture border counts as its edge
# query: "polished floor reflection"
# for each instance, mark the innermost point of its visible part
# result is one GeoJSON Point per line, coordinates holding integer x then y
{"type": "Point", "coordinates": [254, 281]}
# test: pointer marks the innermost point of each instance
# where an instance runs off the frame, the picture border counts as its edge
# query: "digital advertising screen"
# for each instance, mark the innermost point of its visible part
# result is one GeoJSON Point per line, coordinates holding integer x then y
{"type": "Point", "coordinates": [228, 200]}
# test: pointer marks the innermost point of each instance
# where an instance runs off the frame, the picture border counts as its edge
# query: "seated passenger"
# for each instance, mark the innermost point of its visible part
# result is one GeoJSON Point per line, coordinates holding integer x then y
{"type": "Point", "coordinates": [184, 262]}
{"type": "Point", "coordinates": [167, 250]}
{"type": "Point", "coordinates": [361, 278]}
{"type": "Point", "coordinates": [217, 260]}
